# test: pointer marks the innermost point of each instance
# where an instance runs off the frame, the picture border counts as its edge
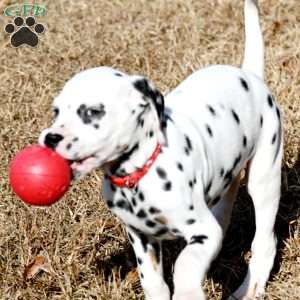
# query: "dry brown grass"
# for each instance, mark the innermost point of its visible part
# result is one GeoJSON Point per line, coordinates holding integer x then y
{"type": "Point", "coordinates": [165, 40]}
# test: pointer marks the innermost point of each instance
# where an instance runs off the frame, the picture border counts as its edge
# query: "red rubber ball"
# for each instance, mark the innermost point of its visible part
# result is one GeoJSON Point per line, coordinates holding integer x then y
{"type": "Point", "coordinates": [39, 176]}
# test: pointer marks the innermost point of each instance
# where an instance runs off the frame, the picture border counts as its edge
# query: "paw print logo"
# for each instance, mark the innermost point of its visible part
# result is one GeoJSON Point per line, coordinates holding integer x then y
{"type": "Point", "coordinates": [24, 33]}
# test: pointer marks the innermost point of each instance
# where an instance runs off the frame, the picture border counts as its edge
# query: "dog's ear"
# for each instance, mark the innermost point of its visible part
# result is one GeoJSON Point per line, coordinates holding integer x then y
{"type": "Point", "coordinates": [145, 87]}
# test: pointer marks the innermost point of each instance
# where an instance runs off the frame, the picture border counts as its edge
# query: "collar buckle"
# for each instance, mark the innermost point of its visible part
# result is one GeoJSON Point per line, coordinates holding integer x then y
{"type": "Point", "coordinates": [131, 183]}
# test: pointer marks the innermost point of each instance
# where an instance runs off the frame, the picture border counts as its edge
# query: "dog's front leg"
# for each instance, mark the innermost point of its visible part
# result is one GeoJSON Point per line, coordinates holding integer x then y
{"type": "Point", "coordinates": [149, 259]}
{"type": "Point", "coordinates": [203, 243]}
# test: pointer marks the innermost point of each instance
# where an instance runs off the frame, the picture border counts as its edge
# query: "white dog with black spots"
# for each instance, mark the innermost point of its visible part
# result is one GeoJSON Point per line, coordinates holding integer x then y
{"type": "Point", "coordinates": [173, 170]}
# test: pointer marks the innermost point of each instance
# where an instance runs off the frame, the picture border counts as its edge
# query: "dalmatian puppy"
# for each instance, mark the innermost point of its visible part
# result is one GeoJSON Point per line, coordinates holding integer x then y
{"type": "Point", "coordinates": [173, 170]}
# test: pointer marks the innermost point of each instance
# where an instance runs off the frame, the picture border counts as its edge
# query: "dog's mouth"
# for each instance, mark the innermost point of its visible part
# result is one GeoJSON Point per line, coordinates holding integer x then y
{"type": "Point", "coordinates": [80, 161]}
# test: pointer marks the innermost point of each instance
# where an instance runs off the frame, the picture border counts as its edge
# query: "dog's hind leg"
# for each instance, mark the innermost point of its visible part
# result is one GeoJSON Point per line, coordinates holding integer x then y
{"type": "Point", "coordinates": [222, 210]}
{"type": "Point", "coordinates": [264, 188]}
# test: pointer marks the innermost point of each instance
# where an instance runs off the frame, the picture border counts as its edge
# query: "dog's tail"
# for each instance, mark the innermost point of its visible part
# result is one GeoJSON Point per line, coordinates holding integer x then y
{"type": "Point", "coordinates": [254, 44]}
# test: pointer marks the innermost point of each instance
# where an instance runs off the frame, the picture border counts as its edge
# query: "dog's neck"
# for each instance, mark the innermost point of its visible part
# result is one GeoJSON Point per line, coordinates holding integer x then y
{"type": "Point", "coordinates": [136, 156]}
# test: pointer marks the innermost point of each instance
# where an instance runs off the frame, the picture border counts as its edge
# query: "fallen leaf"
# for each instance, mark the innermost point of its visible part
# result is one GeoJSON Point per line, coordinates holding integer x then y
{"type": "Point", "coordinates": [38, 264]}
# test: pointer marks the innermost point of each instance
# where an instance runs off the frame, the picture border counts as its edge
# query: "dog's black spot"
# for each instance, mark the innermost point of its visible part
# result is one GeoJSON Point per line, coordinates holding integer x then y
{"type": "Point", "coordinates": [237, 160]}
{"type": "Point", "coordinates": [144, 241]}
{"type": "Point", "coordinates": [156, 249]}
{"type": "Point", "coordinates": [130, 237]}
{"type": "Point", "coordinates": [216, 200]}
{"type": "Point", "coordinates": [244, 141]}
{"type": "Point", "coordinates": [161, 173]}
{"type": "Point", "coordinates": [211, 109]}
{"type": "Point", "coordinates": [261, 121]}
{"type": "Point", "coordinates": [76, 139]}
{"type": "Point", "coordinates": [122, 204]}
{"type": "Point", "coordinates": [228, 178]}
{"type": "Point", "coordinates": [123, 194]}
{"type": "Point", "coordinates": [187, 151]}
{"type": "Point", "coordinates": [88, 114]}
{"type": "Point", "coordinates": [190, 221]}
{"type": "Point", "coordinates": [151, 133]}
{"type": "Point", "coordinates": [270, 100]}
{"type": "Point", "coordinates": [55, 112]}
{"type": "Point", "coordinates": [133, 201]}
{"type": "Point", "coordinates": [222, 171]}
{"type": "Point", "coordinates": [279, 137]}
{"type": "Point", "coordinates": [195, 180]}
{"type": "Point", "coordinates": [175, 231]}
{"type": "Point", "coordinates": [118, 74]}
{"type": "Point", "coordinates": [133, 111]}
{"type": "Point", "coordinates": [208, 187]}
{"type": "Point", "coordinates": [154, 210]}
{"type": "Point", "coordinates": [140, 122]}
{"type": "Point", "coordinates": [278, 113]}
{"type": "Point", "coordinates": [130, 208]}
{"type": "Point", "coordinates": [188, 143]}
{"type": "Point", "coordinates": [198, 239]}
{"type": "Point", "coordinates": [244, 84]}
{"type": "Point", "coordinates": [164, 124]}
{"type": "Point", "coordinates": [180, 166]}
{"type": "Point", "coordinates": [167, 186]}
{"type": "Point", "coordinates": [96, 126]}
{"type": "Point", "coordinates": [141, 196]}
{"type": "Point", "coordinates": [191, 207]}
{"type": "Point", "coordinates": [69, 146]}
{"type": "Point", "coordinates": [142, 275]}
{"type": "Point", "coordinates": [235, 116]}
{"type": "Point", "coordinates": [141, 214]}
{"type": "Point", "coordinates": [191, 183]}
{"type": "Point", "coordinates": [143, 86]}
{"type": "Point", "coordinates": [139, 260]}
{"type": "Point", "coordinates": [274, 138]}
{"type": "Point", "coordinates": [110, 203]}
{"type": "Point", "coordinates": [209, 130]}
{"type": "Point", "coordinates": [150, 223]}
{"type": "Point", "coordinates": [113, 187]}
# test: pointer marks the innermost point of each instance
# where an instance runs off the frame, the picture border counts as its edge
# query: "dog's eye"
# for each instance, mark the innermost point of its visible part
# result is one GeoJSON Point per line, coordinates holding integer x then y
{"type": "Point", "coordinates": [55, 112]}
{"type": "Point", "coordinates": [94, 112]}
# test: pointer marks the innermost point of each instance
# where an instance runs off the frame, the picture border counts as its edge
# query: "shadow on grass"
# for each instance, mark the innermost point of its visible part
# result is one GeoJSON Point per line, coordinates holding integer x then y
{"type": "Point", "coordinates": [230, 267]}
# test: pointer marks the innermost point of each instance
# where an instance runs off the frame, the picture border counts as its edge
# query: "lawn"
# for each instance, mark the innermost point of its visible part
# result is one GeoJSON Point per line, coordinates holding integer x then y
{"type": "Point", "coordinates": [82, 246]}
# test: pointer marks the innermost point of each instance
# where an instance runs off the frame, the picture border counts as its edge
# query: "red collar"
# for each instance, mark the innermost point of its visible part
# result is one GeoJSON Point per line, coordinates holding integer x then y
{"type": "Point", "coordinates": [132, 179]}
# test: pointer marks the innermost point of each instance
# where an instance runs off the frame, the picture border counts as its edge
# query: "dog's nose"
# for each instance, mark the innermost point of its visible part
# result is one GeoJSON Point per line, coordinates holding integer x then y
{"type": "Point", "coordinates": [52, 140]}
